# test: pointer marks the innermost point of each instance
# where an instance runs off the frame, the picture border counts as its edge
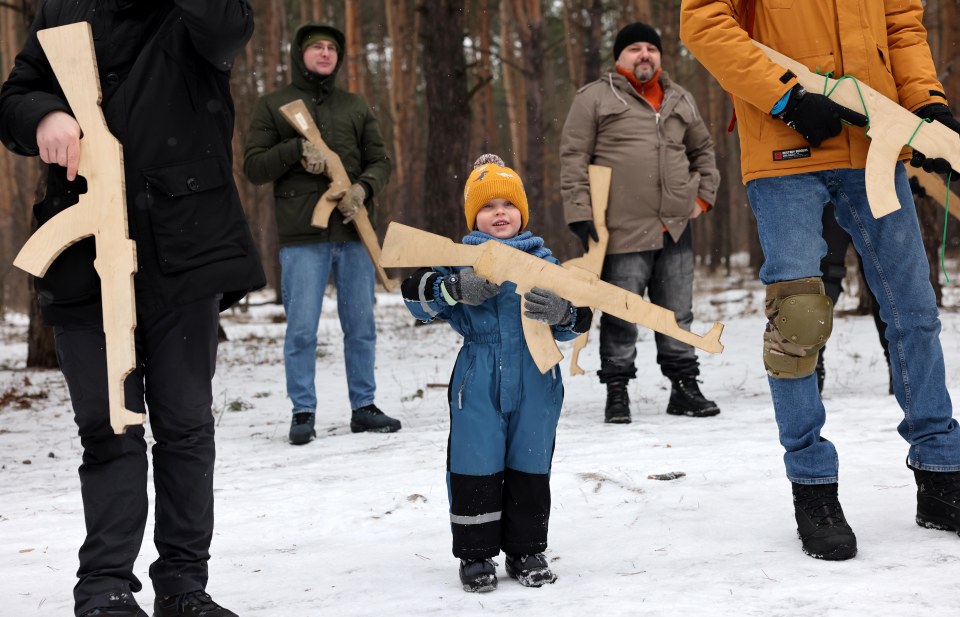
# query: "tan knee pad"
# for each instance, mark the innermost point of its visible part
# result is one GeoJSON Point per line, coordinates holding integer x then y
{"type": "Point", "coordinates": [800, 321]}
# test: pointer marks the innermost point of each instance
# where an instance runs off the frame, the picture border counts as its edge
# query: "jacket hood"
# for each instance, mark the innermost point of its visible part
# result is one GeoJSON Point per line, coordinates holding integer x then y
{"type": "Point", "coordinates": [301, 76]}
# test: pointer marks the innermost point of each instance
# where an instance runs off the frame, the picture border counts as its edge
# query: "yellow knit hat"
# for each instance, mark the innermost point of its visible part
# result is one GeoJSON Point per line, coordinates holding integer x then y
{"type": "Point", "coordinates": [491, 179]}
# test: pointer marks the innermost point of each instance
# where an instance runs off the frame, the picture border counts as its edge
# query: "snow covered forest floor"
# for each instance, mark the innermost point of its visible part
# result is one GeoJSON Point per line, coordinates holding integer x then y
{"type": "Point", "coordinates": [357, 524]}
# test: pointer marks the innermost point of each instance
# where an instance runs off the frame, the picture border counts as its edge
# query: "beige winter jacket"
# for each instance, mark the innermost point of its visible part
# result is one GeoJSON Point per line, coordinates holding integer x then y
{"type": "Point", "coordinates": [661, 161]}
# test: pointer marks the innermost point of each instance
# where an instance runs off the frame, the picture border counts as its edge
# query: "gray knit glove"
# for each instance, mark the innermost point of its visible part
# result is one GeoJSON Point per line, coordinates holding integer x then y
{"type": "Point", "coordinates": [467, 287]}
{"type": "Point", "coordinates": [546, 306]}
{"type": "Point", "coordinates": [349, 201]}
{"type": "Point", "coordinates": [314, 160]}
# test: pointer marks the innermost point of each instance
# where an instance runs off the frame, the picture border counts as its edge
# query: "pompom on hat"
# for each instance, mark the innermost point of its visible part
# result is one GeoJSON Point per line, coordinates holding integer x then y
{"type": "Point", "coordinates": [492, 179]}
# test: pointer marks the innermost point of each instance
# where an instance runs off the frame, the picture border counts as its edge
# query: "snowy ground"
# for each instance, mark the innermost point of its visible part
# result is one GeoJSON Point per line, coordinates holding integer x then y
{"type": "Point", "coordinates": [357, 524]}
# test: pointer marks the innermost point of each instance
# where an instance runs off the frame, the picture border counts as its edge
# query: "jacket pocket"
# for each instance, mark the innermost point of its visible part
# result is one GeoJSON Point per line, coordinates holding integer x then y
{"type": "Point", "coordinates": [680, 184]}
{"type": "Point", "coordinates": [194, 218]}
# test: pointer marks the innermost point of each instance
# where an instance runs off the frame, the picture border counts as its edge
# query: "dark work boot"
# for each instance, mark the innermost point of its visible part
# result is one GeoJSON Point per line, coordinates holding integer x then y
{"type": "Point", "coordinates": [686, 399]}
{"type": "Point", "coordinates": [369, 419]}
{"type": "Point", "coordinates": [301, 427]}
{"type": "Point", "coordinates": [938, 499]}
{"type": "Point", "coordinates": [618, 403]}
{"type": "Point", "coordinates": [190, 604]}
{"type": "Point", "coordinates": [821, 526]}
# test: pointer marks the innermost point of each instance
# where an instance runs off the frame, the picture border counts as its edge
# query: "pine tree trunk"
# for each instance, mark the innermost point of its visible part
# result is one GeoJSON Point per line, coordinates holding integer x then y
{"type": "Point", "coordinates": [448, 113]}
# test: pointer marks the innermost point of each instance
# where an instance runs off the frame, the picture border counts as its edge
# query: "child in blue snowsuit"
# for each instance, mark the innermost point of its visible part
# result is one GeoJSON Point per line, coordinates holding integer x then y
{"type": "Point", "coordinates": [503, 411]}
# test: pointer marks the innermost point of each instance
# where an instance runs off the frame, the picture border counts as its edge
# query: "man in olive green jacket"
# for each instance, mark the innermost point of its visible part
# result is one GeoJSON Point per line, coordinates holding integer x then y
{"type": "Point", "coordinates": [645, 127]}
{"type": "Point", "coordinates": [298, 170]}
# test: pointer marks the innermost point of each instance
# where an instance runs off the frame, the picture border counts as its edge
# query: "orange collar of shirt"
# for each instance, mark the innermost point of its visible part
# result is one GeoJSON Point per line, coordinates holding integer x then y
{"type": "Point", "coordinates": [650, 90]}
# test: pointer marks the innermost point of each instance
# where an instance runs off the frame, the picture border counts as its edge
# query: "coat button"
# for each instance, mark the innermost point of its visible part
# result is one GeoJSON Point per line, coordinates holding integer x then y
{"type": "Point", "coordinates": [113, 79]}
{"type": "Point", "coordinates": [192, 184]}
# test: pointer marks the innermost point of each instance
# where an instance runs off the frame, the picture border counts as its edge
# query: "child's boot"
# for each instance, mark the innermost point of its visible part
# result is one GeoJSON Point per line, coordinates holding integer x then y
{"type": "Point", "coordinates": [478, 575]}
{"type": "Point", "coordinates": [530, 570]}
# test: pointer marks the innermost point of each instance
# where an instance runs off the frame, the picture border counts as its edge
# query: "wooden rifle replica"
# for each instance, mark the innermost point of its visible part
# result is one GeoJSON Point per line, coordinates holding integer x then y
{"type": "Point", "coordinates": [891, 128]}
{"type": "Point", "coordinates": [300, 118]}
{"type": "Point", "coordinates": [592, 259]}
{"type": "Point", "coordinates": [407, 247]}
{"type": "Point", "coordinates": [101, 212]}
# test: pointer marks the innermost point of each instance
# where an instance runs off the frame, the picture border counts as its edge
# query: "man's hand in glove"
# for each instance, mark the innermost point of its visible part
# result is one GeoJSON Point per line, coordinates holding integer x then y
{"type": "Point", "coordinates": [941, 113]}
{"type": "Point", "coordinates": [349, 201]}
{"type": "Point", "coordinates": [467, 287]}
{"type": "Point", "coordinates": [583, 229]}
{"type": "Point", "coordinates": [546, 306]}
{"type": "Point", "coordinates": [314, 160]}
{"type": "Point", "coordinates": [816, 117]}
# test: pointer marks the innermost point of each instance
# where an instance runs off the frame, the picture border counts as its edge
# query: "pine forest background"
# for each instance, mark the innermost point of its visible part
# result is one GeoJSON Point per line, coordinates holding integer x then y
{"type": "Point", "coordinates": [449, 81]}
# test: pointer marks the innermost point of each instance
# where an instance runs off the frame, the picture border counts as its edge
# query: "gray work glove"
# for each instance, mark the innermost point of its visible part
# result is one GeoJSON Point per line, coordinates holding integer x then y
{"type": "Point", "coordinates": [467, 287]}
{"type": "Point", "coordinates": [546, 306]}
{"type": "Point", "coordinates": [349, 201]}
{"type": "Point", "coordinates": [314, 160]}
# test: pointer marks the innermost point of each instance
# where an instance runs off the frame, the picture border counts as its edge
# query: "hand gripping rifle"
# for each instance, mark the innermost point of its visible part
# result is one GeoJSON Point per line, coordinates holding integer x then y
{"type": "Point", "coordinates": [891, 128]}
{"type": "Point", "coordinates": [101, 212]}
{"type": "Point", "coordinates": [412, 248]}
{"type": "Point", "coordinates": [299, 117]}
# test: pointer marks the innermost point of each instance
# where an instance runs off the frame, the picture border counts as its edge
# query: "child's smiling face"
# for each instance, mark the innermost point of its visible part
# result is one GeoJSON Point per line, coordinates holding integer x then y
{"type": "Point", "coordinates": [499, 218]}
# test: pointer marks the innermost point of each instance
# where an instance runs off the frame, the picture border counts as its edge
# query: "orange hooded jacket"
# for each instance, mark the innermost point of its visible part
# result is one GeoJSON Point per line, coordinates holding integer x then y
{"type": "Point", "coordinates": [880, 42]}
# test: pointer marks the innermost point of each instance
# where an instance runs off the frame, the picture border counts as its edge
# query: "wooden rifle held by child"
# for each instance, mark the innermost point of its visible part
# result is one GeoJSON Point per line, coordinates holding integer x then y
{"type": "Point", "coordinates": [407, 247]}
{"type": "Point", "coordinates": [891, 128]}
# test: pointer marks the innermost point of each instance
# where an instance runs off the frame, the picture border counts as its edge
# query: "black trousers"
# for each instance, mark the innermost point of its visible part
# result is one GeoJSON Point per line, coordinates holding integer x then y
{"type": "Point", "coordinates": [509, 510]}
{"type": "Point", "coordinates": [176, 358]}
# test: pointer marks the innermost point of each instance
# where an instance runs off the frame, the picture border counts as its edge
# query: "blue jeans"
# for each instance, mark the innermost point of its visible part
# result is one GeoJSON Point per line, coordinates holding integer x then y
{"type": "Point", "coordinates": [788, 210]}
{"type": "Point", "coordinates": [667, 276]}
{"type": "Point", "coordinates": [305, 269]}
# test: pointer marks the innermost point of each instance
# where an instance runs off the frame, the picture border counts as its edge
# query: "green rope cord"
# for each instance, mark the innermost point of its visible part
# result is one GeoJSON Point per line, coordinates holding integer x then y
{"type": "Point", "coordinates": [914, 134]}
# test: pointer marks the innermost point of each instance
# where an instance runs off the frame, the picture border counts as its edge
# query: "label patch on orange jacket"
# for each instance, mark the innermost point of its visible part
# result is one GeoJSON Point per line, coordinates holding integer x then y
{"type": "Point", "coordinates": [789, 155]}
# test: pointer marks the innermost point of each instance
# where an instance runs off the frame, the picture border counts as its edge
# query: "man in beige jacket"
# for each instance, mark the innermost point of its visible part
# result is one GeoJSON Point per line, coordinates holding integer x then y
{"type": "Point", "coordinates": [645, 127]}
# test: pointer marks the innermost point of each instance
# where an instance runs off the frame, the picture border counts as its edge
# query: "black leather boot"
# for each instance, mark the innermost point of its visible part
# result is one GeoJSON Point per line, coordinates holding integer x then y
{"type": "Point", "coordinates": [618, 403]}
{"type": "Point", "coordinates": [686, 399]}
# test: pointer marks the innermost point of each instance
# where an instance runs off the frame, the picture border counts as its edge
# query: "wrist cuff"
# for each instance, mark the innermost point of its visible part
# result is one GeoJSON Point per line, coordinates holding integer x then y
{"type": "Point", "coordinates": [446, 294]}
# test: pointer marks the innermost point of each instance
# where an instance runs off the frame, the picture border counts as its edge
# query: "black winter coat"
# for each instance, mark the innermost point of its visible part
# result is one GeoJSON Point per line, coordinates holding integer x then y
{"type": "Point", "coordinates": [165, 78]}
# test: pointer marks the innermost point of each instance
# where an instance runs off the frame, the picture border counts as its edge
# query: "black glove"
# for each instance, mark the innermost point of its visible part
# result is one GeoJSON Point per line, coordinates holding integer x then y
{"type": "Point", "coordinates": [546, 306]}
{"type": "Point", "coordinates": [816, 117]}
{"type": "Point", "coordinates": [582, 229]}
{"type": "Point", "coordinates": [467, 287]}
{"type": "Point", "coordinates": [941, 113]}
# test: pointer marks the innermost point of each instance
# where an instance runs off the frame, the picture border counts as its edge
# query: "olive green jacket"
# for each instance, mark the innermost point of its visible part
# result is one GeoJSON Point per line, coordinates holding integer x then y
{"type": "Point", "coordinates": [273, 149]}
